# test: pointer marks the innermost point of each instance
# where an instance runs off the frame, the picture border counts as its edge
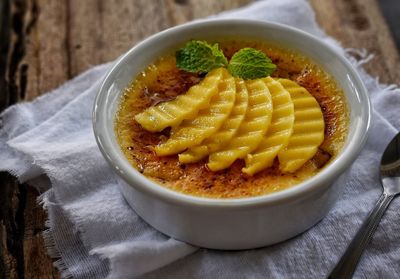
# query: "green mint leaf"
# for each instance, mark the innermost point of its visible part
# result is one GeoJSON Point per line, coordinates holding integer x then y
{"type": "Point", "coordinates": [249, 63]}
{"type": "Point", "coordinates": [220, 59]}
{"type": "Point", "coordinates": [200, 57]}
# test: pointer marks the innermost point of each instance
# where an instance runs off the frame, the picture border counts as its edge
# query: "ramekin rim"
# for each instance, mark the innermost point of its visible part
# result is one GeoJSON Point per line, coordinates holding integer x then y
{"type": "Point", "coordinates": [137, 180]}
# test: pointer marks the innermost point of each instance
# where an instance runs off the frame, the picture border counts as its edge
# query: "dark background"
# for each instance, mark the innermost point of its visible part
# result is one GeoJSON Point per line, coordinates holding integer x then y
{"type": "Point", "coordinates": [391, 12]}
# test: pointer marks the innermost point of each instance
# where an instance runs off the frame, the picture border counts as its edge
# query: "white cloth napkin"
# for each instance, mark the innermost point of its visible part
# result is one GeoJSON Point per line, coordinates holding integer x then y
{"type": "Point", "coordinates": [95, 234]}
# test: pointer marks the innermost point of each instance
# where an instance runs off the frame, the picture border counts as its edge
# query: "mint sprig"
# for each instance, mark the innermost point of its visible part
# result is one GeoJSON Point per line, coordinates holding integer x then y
{"type": "Point", "coordinates": [201, 57]}
{"type": "Point", "coordinates": [249, 63]}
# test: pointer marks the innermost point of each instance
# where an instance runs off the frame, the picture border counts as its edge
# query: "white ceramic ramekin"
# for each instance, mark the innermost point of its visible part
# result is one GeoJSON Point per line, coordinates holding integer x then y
{"type": "Point", "coordinates": [230, 223]}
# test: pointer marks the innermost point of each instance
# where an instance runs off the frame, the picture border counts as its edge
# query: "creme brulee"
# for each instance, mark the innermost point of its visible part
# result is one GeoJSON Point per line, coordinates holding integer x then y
{"type": "Point", "coordinates": [163, 81]}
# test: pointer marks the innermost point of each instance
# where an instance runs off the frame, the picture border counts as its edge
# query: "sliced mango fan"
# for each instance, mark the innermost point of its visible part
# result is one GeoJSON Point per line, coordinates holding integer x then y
{"type": "Point", "coordinates": [226, 118]}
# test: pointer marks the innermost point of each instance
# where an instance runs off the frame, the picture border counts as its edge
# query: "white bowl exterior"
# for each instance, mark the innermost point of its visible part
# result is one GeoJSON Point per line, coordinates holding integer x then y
{"type": "Point", "coordinates": [230, 223]}
{"type": "Point", "coordinates": [230, 229]}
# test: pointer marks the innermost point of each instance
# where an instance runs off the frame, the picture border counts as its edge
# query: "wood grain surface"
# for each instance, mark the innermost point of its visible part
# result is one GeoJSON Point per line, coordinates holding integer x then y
{"type": "Point", "coordinates": [46, 42]}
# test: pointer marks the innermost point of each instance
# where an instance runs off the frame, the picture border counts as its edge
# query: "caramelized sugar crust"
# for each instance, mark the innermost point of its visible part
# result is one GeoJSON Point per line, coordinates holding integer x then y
{"type": "Point", "coordinates": [162, 81]}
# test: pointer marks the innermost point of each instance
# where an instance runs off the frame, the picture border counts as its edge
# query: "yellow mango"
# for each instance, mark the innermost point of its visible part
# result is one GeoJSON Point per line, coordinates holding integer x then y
{"type": "Point", "coordinates": [185, 106]}
{"type": "Point", "coordinates": [251, 130]}
{"type": "Point", "coordinates": [227, 131]}
{"type": "Point", "coordinates": [279, 132]}
{"type": "Point", "coordinates": [208, 121]}
{"type": "Point", "coordinates": [308, 128]}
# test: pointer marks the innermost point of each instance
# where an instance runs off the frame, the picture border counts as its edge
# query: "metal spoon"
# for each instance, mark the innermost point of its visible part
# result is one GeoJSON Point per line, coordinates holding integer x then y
{"type": "Point", "coordinates": [390, 177]}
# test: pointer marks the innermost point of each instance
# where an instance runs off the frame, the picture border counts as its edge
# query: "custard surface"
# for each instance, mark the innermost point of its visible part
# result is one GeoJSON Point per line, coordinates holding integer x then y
{"type": "Point", "coordinates": [162, 81]}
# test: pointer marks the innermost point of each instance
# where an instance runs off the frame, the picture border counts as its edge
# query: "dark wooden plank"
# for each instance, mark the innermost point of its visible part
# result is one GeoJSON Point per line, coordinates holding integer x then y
{"type": "Point", "coordinates": [28, 64]}
{"type": "Point", "coordinates": [47, 56]}
{"type": "Point", "coordinates": [359, 24]}
{"type": "Point", "coordinates": [37, 264]}
{"type": "Point", "coordinates": [12, 89]}
{"type": "Point", "coordinates": [100, 31]}
{"type": "Point", "coordinates": [5, 35]}
{"type": "Point", "coordinates": [11, 258]}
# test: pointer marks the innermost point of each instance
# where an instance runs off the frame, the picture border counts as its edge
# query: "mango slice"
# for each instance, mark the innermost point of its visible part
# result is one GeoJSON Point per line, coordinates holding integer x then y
{"type": "Point", "coordinates": [209, 120]}
{"type": "Point", "coordinates": [279, 132]}
{"type": "Point", "coordinates": [308, 128]}
{"type": "Point", "coordinates": [227, 131]}
{"type": "Point", "coordinates": [185, 106]}
{"type": "Point", "coordinates": [251, 130]}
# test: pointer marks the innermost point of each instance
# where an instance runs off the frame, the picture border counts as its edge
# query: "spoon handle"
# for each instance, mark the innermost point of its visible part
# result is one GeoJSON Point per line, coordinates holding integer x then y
{"type": "Point", "coordinates": [348, 263]}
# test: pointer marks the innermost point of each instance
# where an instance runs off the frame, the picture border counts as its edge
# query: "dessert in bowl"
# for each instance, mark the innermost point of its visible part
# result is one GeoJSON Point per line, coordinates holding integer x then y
{"type": "Point", "coordinates": [211, 200]}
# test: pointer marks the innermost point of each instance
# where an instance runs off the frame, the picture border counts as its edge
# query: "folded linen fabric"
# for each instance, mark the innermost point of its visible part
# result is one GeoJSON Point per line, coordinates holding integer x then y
{"type": "Point", "coordinates": [49, 142]}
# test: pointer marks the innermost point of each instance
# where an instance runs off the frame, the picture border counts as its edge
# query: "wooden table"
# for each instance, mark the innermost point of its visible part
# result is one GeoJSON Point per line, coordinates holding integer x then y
{"type": "Point", "coordinates": [43, 43]}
